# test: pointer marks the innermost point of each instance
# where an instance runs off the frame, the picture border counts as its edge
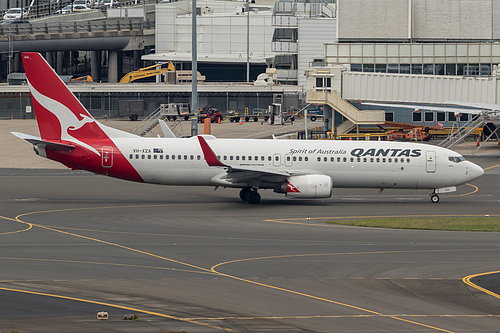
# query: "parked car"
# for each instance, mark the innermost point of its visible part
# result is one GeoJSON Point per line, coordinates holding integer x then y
{"type": "Point", "coordinates": [15, 14]}
{"type": "Point", "coordinates": [11, 22]}
{"type": "Point", "coordinates": [73, 9]}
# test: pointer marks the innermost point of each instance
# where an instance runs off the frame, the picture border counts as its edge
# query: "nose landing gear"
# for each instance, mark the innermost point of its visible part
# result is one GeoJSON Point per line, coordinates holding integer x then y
{"type": "Point", "coordinates": [434, 198]}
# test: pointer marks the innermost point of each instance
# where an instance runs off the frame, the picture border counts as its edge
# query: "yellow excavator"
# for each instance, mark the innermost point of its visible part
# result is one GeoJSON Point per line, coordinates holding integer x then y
{"type": "Point", "coordinates": [86, 78]}
{"type": "Point", "coordinates": [147, 72]}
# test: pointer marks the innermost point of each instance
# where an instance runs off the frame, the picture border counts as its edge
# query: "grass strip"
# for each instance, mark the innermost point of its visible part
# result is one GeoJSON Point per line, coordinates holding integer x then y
{"type": "Point", "coordinates": [485, 223]}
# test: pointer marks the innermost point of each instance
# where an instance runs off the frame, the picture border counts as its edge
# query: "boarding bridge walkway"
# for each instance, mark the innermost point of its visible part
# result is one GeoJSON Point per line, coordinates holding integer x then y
{"type": "Point", "coordinates": [353, 115]}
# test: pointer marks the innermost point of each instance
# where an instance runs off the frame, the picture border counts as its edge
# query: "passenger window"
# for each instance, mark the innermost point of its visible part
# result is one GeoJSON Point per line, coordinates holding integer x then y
{"type": "Point", "coordinates": [395, 160]}
{"type": "Point", "coordinates": [352, 159]}
{"type": "Point", "coordinates": [166, 157]}
{"type": "Point", "coordinates": [325, 159]}
{"type": "Point", "coordinates": [300, 158]}
{"type": "Point", "coordinates": [407, 160]}
{"type": "Point", "coordinates": [155, 157]}
{"type": "Point", "coordinates": [306, 159]}
{"type": "Point", "coordinates": [365, 159]}
{"type": "Point", "coordinates": [242, 158]}
{"type": "Point", "coordinates": [179, 157]}
{"type": "Point", "coordinates": [345, 159]}
{"type": "Point", "coordinates": [269, 158]}
{"type": "Point", "coordinates": [378, 159]}
{"type": "Point", "coordinates": [390, 160]}
{"type": "Point", "coordinates": [256, 158]}
{"type": "Point", "coordinates": [319, 159]}
{"type": "Point", "coordinates": [137, 156]}
{"type": "Point", "coordinates": [231, 157]}
{"type": "Point", "coordinates": [359, 159]}
{"type": "Point", "coordinates": [276, 158]}
{"type": "Point", "coordinates": [143, 156]}
{"type": "Point", "coordinates": [338, 159]}
{"type": "Point", "coordinates": [161, 157]}
{"type": "Point", "coordinates": [131, 156]}
{"type": "Point", "coordinates": [249, 158]}
{"type": "Point", "coordinates": [332, 159]}
{"type": "Point", "coordinates": [192, 157]}
{"type": "Point", "coordinates": [383, 160]}
{"type": "Point", "coordinates": [199, 157]}
{"type": "Point", "coordinates": [295, 158]}
{"type": "Point", "coordinates": [149, 157]}
{"type": "Point", "coordinates": [288, 158]}
{"type": "Point", "coordinates": [185, 157]}
{"type": "Point", "coordinates": [225, 158]}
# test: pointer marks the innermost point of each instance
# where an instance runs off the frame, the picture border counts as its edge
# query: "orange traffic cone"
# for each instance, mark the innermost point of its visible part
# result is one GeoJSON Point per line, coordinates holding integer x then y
{"type": "Point", "coordinates": [350, 139]}
{"type": "Point", "coordinates": [379, 138]}
{"type": "Point", "coordinates": [241, 120]}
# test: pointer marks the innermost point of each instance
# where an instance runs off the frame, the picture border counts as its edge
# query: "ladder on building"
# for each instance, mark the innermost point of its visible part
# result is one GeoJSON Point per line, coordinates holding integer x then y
{"type": "Point", "coordinates": [353, 115]}
{"type": "Point", "coordinates": [459, 133]}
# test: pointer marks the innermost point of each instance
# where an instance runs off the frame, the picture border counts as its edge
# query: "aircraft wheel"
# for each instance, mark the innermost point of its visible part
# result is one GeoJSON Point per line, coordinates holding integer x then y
{"type": "Point", "coordinates": [244, 192]}
{"type": "Point", "coordinates": [253, 197]}
{"type": "Point", "coordinates": [434, 198]}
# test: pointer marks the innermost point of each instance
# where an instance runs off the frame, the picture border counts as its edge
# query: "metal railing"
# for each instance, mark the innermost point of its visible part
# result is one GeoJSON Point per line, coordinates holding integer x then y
{"type": "Point", "coordinates": [78, 27]}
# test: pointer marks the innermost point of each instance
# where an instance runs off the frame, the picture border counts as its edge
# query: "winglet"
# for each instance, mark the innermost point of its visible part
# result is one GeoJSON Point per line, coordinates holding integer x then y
{"type": "Point", "coordinates": [209, 154]}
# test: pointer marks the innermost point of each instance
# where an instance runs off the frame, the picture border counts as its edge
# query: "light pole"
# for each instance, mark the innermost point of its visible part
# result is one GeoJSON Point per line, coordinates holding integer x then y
{"type": "Point", "coordinates": [248, 41]}
{"type": "Point", "coordinates": [194, 73]}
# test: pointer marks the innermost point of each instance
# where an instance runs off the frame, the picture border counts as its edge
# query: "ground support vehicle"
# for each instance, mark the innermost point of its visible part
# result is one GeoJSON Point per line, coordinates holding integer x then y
{"type": "Point", "coordinates": [210, 112]}
{"type": "Point", "coordinates": [174, 111]}
{"type": "Point", "coordinates": [255, 115]}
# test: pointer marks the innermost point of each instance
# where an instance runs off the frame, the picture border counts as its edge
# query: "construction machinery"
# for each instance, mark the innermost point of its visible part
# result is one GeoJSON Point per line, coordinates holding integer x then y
{"type": "Point", "coordinates": [86, 78]}
{"type": "Point", "coordinates": [147, 72]}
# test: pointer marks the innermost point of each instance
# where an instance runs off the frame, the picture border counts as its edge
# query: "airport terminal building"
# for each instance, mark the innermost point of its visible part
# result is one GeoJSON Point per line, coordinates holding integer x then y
{"type": "Point", "coordinates": [427, 52]}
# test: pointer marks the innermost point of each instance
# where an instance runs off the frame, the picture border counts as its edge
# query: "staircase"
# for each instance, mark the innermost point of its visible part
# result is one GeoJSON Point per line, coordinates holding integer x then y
{"type": "Point", "coordinates": [458, 134]}
{"type": "Point", "coordinates": [354, 115]}
{"type": "Point", "coordinates": [150, 122]}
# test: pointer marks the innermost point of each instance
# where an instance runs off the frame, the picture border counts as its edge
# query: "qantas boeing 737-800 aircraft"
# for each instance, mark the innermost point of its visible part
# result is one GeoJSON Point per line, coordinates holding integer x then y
{"type": "Point", "coordinates": [299, 169]}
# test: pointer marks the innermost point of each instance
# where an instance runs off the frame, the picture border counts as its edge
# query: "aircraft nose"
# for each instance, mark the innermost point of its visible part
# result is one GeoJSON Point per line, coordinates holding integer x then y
{"type": "Point", "coordinates": [475, 171]}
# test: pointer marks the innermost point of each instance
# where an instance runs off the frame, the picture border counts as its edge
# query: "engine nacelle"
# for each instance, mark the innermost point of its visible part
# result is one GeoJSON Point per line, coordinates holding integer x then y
{"type": "Point", "coordinates": [308, 186]}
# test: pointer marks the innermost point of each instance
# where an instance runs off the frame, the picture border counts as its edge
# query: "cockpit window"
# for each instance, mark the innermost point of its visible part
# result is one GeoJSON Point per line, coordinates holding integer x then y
{"type": "Point", "coordinates": [456, 159]}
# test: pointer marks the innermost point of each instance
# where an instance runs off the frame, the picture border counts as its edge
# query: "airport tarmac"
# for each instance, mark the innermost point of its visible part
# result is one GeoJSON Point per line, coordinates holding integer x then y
{"type": "Point", "coordinates": [194, 259]}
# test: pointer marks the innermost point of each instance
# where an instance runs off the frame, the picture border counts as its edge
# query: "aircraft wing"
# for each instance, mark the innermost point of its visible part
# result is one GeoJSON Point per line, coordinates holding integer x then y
{"type": "Point", "coordinates": [242, 174]}
{"type": "Point", "coordinates": [37, 141]}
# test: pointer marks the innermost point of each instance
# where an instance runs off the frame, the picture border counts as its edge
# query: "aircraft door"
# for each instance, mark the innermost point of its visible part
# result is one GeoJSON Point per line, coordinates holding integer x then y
{"type": "Point", "coordinates": [107, 157]}
{"type": "Point", "coordinates": [277, 160]}
{"type": "Point", "coordinates": [288, 160]}
{"type": "Point", "coordinates": [431, 161]}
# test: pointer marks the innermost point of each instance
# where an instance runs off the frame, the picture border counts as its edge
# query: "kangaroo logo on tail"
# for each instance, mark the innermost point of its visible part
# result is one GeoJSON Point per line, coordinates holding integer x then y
{"type": "Point", "coordinates": [55, 105]}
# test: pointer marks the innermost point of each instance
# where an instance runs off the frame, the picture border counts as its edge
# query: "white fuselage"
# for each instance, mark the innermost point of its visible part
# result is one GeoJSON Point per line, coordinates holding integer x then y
{"type": "Point", "coordinates": [361, 164]}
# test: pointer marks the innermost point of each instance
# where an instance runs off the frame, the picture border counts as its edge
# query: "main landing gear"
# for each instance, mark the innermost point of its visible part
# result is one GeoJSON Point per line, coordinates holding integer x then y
{"type": "Point", "coordinates": [250, 195]}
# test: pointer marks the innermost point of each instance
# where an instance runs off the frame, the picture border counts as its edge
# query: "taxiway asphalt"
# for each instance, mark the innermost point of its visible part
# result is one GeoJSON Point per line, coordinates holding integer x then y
{"type": "Point", "coordinates": [195, 259]}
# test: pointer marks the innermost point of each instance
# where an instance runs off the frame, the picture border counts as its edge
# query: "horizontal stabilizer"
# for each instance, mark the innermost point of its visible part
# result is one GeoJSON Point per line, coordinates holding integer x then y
{"type": "Point", "coordinates": [37, 141]}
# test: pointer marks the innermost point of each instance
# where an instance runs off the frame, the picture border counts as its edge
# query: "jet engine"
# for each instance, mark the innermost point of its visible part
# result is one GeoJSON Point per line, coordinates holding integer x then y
{"type": "Point", "coordinates": [307, 186]}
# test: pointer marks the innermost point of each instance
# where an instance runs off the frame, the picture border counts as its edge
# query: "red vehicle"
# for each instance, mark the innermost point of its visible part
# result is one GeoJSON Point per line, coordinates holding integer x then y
{"type": "Point", "coordinates": [210, 112]}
